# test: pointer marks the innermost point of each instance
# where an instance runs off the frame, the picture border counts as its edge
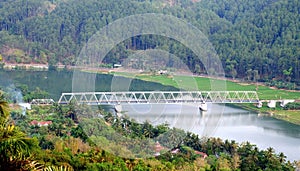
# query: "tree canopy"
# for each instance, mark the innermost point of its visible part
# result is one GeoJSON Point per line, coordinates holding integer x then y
{"type": "Point", "coordinates": [254, 39]}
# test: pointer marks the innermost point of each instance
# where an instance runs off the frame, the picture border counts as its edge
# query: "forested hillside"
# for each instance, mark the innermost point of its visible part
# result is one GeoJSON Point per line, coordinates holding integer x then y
{"type": "Point", "coordinates": [254, 39]}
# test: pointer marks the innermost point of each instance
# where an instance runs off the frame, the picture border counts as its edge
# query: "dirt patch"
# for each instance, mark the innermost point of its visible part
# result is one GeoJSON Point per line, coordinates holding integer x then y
{"type": "Point", "coordinates": [244, 84]}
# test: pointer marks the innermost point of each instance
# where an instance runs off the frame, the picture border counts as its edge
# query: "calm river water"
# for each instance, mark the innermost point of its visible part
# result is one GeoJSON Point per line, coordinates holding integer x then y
{"type": "Point", "coordinates": [219, 121]}
{"type": "Point", "coordinates": [224, 122]}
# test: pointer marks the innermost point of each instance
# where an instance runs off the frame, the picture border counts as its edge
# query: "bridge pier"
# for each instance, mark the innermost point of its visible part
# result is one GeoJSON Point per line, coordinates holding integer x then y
{"type": "Point", "coordinates": [203, 113]}
{"type": "Point", "coordinates": [118, 108]}
{"type": "Point", "coordinates": [272, 103]}
{"type": "Point", "coordinates": [285, 102]}
{"type": "Point", "coordinates": [260, 104]}
{"type": "Point", "coordinates": [203, 106]}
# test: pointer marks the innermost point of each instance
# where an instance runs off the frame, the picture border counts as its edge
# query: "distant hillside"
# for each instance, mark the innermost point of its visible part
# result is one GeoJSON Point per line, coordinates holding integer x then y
{"type": "Point", "coordinates": [264, 36]}
{"type": "Point", "coordinates": [255, 39]}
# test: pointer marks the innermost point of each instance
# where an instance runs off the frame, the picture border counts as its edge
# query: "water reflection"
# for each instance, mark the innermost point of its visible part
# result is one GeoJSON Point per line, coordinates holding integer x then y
{"type": "Point", "coordinates": [232, 123]}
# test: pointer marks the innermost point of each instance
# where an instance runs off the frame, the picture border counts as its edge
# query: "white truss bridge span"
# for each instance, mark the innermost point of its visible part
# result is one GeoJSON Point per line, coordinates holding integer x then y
{"type": "Point", "coordinates": [159, 97]}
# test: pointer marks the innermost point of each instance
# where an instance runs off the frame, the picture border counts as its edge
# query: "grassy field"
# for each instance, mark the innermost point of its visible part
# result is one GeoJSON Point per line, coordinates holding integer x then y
{"type": "Point", "coordinates": [207, 84]}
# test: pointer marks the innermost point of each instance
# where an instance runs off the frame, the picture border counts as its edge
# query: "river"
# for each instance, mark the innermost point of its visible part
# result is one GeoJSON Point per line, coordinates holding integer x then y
{"type": "Point", "coordinates": [219, 121]}
{"type": "Point", "coordinates": [224, 122]}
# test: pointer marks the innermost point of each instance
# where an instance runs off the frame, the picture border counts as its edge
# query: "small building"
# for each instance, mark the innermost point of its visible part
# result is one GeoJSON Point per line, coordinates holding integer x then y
{"type": "Point", "coordinates": [158, 148]}
{"type": "Point", "coordinates": [25, 106]}
{"type": "Point", "coordinates": [40, 123]}
{"type": "Point", "coordinates": [117, 65]}
{"type": "Point", "coordinates": [204, 155]}
{"type": "Point", "coordinates": [175, 151]}
{"type": "Point", "coordinates": [162, 72]}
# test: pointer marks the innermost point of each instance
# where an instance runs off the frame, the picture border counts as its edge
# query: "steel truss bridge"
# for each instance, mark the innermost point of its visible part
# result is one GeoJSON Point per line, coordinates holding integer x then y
{"type": "Point", "coordinates": [159, 97]}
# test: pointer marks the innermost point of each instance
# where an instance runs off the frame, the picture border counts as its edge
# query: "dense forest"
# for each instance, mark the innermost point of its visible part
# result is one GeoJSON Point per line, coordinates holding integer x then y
{"type": "Point", "coordinates": [256, 40]}
{"type": "Point", "coordinates": [78, 137]}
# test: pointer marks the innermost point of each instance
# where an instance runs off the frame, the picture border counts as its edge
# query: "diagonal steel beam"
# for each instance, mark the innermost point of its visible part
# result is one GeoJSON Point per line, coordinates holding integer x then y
{"type": "Point", "coordinates": [160, 97]}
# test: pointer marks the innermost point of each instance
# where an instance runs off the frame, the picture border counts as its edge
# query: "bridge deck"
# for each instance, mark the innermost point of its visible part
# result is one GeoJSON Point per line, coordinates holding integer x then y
{"type": "Point", "coordinates": [159, 97]}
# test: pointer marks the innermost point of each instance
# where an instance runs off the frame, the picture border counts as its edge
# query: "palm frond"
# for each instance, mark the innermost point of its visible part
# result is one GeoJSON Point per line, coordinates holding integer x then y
{"type": "Point", "coordinates": [65, 167]}
{"type": "Point", "coordinates": [4, 111]}
{"type": "Point", "coordinates": [14, 144]}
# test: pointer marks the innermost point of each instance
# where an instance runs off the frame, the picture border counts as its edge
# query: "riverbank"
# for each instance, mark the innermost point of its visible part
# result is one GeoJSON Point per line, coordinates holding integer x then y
{"type": "Point", "coordinates": [292, 116]}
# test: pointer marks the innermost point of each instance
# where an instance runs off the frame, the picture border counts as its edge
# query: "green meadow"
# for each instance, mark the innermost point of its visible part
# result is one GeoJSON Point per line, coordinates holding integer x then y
{"type": "Point", "coordinates": [208, 84]}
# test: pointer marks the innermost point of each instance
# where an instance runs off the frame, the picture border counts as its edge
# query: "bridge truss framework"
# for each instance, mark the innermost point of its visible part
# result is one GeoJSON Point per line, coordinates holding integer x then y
{"type": "Point", "coordinates": [159, 97]}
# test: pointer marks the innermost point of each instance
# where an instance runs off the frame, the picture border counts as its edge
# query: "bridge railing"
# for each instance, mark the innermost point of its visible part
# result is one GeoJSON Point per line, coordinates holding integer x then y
{"type": "Point", "coordinates": [156, 97]}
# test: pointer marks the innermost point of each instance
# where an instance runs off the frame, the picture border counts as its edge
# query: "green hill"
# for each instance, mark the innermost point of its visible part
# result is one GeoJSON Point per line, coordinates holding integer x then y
{"type": "Point", "coordinates": [254, 39]}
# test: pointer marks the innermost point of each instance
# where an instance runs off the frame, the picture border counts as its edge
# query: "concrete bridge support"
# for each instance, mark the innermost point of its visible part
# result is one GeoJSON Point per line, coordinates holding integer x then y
{"type": "Point", "coordinates": [272, 103]}
{"type": "Point", "coordinates": [203, 106]}
{"type": "Point", "coordinates": [118, 108]}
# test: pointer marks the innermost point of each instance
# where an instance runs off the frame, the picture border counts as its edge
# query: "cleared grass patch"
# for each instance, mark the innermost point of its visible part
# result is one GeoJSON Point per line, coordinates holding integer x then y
{"type": "Point", "coordinates": [207, 84]}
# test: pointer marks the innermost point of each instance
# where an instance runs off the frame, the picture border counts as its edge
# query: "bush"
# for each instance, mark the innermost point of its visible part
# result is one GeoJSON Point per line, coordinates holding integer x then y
{"type": "Point", "coordinates": [292, 106]}
{"type": "Point", "coordinates": [282, 85]}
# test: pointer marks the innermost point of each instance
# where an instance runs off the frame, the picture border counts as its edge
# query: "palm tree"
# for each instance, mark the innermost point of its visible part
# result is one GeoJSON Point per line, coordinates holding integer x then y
{"type": "Point", "coordinates": [282, 157]}
{"type": "Point", "coordinates": [233, 146]}
{"type": "Point", "coordinates": [4, 110]}
{"type": "Point", "coordinates": [65, 167]}
{"type": "Point", "coordinates": [148, 130]}
{"type": "Point", "coordinates": [269, 152]}
{"type": "Point", "coordinates": [15, 147]}
{"type": "Point", "coordinates": [109, 118]}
